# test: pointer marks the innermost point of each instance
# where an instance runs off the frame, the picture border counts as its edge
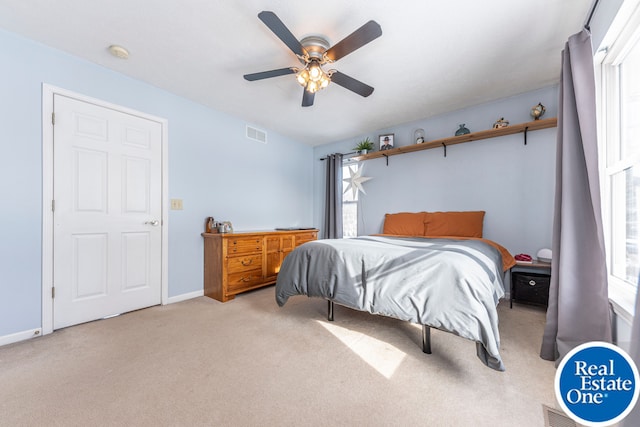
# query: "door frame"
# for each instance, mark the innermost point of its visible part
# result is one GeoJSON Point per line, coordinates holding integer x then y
{"type": "Point", "coordinates": [48, 92]}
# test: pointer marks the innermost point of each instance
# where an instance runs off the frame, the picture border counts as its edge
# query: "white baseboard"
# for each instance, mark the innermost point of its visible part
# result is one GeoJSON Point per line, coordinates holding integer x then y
{"type": "Point", "coordinates": [20, 336]}
{"type": "Point", "coordinates": [184, 297]}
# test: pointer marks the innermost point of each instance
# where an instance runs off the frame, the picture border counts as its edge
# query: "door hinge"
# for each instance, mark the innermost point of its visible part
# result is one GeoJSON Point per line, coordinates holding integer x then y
{"type": "Point", "coordinates": [53, 118]}
{"type": "Point", "coordinates": [53, 206]}
{"type": "Point", "coordinates": [53, 292]}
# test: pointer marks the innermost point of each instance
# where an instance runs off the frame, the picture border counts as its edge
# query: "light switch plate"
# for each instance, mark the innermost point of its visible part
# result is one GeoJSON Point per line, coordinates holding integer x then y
{"type": "Point", "coordinates": [176, 204]}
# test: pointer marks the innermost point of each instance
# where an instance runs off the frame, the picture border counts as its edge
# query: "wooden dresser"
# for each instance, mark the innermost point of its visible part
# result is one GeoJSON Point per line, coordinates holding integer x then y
{"type": "Point", "coordinates": [238, 262]}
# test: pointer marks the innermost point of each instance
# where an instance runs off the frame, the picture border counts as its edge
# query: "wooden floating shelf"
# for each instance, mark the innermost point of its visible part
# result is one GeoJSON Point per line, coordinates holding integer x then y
{"type": "Point", "coordinates": [475, 136]}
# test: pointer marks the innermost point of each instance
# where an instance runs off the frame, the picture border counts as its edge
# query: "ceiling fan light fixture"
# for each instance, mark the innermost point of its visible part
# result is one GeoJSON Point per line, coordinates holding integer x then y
{"type": "Point", "coordinates": [315, 72]}
{"type": "Point", "coordinates": [303, 77]}
{"type": "Point", "coordinates": [312, 77]}
{"type": "Point", "coordinates": [312, 86]}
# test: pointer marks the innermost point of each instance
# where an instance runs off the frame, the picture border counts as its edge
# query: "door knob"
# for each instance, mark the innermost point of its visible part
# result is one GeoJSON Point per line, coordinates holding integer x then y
{"type": "Point", "coordinates": [154, 223]}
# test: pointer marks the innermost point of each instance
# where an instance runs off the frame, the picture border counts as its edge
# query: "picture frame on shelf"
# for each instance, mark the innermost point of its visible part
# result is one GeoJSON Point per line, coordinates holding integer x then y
{"type": "Point", "coordinates": [386, 141]}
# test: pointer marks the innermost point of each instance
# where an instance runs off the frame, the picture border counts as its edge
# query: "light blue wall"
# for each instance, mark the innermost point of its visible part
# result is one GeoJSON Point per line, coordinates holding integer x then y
{"type": "Point", "coordinates": [212, 167]}
{"type": "Point", "coordinates": [218, 172]}
{"type": "Point", "coordinates": [512, 182]}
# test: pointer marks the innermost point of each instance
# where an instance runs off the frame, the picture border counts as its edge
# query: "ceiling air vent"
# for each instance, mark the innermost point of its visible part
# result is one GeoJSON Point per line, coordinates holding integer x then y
{"type": "Point", "coordinates": [256, 134]}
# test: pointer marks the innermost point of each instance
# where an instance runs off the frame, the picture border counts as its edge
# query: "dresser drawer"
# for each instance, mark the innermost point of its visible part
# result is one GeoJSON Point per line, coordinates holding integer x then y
{"type": "Point", "coordinates": [241, 263]}
{"type": "Point", "coordinates": [243, 280]}
{"type": "Point", "coordinates": [244, 245]}
{"type": "Point", "coordinates": [306, 237]}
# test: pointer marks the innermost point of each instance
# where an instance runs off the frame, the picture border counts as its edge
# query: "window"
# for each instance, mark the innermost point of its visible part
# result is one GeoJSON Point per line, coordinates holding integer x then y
{"type": "Point", "coordinates": [623, 163]}
{"type": "Point", "coordinates": [620, 146]}
{"type": "Point", "coordinates": [349, 206]}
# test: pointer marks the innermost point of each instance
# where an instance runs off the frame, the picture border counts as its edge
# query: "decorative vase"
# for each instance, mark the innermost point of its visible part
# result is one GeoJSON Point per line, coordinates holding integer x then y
{"type": "Point", "coordinates": [462, 130]}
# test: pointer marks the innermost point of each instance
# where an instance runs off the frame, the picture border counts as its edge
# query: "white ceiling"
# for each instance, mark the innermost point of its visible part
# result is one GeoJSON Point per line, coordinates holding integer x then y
{"type": "Point", "coordinates": [433, 56]}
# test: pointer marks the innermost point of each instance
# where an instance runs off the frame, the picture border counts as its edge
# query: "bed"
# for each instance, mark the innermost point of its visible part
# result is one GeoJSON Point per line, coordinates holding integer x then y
{"type": "Point", "coordinates": [412, 272]}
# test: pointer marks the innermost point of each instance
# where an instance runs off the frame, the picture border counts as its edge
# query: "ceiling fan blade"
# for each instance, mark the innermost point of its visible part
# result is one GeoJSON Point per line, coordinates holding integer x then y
{"type": "Point", "coordinates": [307, 98]}
{"type": "Point", "coordinates": [363, 35]}
{"type": "Point", "coordinates": [352, 84]}
{"type": "Point", "coordinates": [279, 29]}
{"type": "Point", "coordinates": [267, 74]}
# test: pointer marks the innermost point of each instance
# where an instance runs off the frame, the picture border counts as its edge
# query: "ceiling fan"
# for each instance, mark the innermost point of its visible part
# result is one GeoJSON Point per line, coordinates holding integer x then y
{"type": "Point", "coordinates": [313, 52]}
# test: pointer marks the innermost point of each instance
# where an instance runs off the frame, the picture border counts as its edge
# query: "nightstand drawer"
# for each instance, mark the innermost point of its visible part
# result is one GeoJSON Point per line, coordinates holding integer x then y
{"type": "Point", "coordinates": [531, 288]}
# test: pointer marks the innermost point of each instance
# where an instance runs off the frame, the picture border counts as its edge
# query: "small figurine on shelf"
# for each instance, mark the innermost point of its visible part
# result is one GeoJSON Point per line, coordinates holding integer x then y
{"type": "Point", "coordinates": [462, 130]}
{"type": "Point", "coordinates": [538, 111]}
{"type": "Point", "coordinates": [502, 123]}
{"type": "Point", "coordinates": [418, 136]}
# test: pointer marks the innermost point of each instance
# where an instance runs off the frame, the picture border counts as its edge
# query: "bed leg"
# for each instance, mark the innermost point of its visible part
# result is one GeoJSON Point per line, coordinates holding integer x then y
{"type": "Point", "coordinates": [426, 339]}
{"type": "Point", "coordinates": [330, 311]}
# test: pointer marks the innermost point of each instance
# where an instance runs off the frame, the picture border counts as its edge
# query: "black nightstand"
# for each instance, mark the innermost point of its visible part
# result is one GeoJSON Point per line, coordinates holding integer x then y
{"type": "Point", "coordinates": [530, 283]}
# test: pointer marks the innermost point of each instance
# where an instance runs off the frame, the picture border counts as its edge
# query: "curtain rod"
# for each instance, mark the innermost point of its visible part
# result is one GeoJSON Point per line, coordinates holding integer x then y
{"type": "Point", "coordinates": [345, 154]}
{"type": "Point", "coordinates": [593, 9]}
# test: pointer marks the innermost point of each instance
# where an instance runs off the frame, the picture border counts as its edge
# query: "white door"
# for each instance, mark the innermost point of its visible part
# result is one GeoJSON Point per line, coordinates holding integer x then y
{"type": "Point", "coordinates": [107, 239]}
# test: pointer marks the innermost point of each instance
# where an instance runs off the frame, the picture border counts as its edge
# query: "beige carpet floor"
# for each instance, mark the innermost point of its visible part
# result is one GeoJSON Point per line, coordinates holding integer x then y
{"type": "Point", "coordinates": [248, 362]}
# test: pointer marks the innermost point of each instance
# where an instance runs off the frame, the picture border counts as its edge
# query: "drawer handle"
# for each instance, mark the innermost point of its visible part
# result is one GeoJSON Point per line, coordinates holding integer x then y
{"type": "Point", "coordinates": [245, 263]}
{"type": "Point", "coordinates": [532, 282]}
{"type": "Point", "coordinates": [246, 279]}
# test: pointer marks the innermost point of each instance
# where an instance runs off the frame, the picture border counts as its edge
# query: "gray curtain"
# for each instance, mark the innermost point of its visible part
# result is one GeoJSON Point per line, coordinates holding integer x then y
{"type": "Point", "coordinates": [333, 197]}
{"type": "Point", "coordinates": [578, 309]}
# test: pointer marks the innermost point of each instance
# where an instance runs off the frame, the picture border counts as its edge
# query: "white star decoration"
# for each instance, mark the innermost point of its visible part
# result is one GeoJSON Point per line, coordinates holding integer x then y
{"type": "Point", "coordinates": [355, 181]}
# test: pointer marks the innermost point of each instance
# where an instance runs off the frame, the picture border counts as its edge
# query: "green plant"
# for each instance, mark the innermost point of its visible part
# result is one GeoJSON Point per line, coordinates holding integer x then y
{"type": "Point", "coordinates": [365, 144]}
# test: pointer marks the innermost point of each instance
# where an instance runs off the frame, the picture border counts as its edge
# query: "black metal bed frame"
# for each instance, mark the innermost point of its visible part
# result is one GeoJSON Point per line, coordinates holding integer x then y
{"type": "Point", "coordinates": [426, 330]}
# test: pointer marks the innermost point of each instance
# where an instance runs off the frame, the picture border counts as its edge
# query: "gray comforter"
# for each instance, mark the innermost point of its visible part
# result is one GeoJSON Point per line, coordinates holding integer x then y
{"type": "Point", "coordinates": [452, 285]}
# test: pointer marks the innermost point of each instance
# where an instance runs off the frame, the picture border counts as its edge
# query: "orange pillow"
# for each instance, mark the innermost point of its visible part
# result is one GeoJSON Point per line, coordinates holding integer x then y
{"type": "Point", "coordinates": [404, 224]}
{"type": "Point", "coordinates": [459, 224]}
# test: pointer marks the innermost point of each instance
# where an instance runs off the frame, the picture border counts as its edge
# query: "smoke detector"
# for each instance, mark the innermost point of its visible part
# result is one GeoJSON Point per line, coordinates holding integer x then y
{"type": "Point", "coordinates": [119, 51]}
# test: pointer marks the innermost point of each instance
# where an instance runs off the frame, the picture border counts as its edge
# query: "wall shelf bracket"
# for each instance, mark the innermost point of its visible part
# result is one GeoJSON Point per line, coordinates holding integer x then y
{"type": "Point", "coordinates": [445, 149]}
{"type": "Point", "coordinates": [387, 158]}
{"type": "Point", "coordinates": [526, 129]}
